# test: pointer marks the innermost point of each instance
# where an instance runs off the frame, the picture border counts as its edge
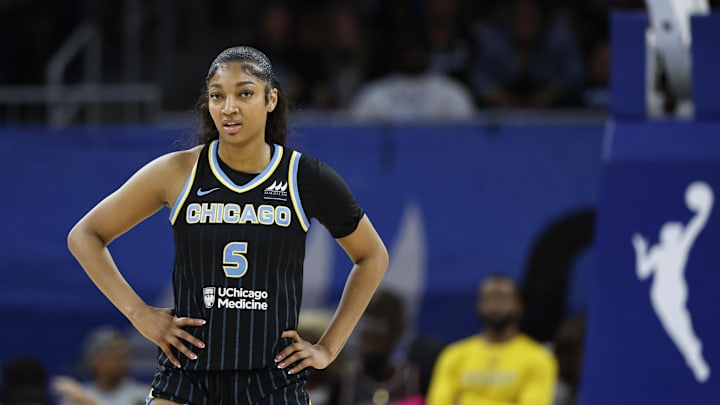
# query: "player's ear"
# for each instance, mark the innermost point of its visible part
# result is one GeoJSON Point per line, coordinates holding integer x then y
{"type": "Point", "coordinates": [272, 99]}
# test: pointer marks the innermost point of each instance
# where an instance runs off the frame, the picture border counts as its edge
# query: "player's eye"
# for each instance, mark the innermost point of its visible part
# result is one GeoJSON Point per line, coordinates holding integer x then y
{"type": "Point", "coordinates": [214, 96]}
{"type": "Point", "coordinates": [246, 93]}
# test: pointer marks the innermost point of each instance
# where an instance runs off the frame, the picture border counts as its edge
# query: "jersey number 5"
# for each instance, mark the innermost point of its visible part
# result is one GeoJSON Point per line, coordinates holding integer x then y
{"type": "Point", "coordinates": [235, 263]}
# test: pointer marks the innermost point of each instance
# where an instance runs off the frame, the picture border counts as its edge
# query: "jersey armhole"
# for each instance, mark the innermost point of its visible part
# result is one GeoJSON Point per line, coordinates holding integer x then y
{"type": "Point", "coordinates": [184, 193]}
{"type": "Point", "coordinates": [294, 192]}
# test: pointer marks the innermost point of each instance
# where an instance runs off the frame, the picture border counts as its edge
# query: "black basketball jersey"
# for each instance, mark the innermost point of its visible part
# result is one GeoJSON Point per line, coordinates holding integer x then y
{"type": "Point", "coordinates": [239, 251]}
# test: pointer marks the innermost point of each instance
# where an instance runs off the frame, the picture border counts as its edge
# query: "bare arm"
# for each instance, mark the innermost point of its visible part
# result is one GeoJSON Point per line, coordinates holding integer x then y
{"type": "Point", "coordinates": [370, 258]}
{"type": "Point", "coordinates": [141, 196]}
{"type": "Point", "coordinates": [368, 253]}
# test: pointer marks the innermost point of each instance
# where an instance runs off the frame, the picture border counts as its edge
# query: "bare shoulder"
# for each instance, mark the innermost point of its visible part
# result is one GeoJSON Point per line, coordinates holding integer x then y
{"type": "Point", "coordinates": [174, 168]}
{"type": "Point", "coordinates": [180, 162]}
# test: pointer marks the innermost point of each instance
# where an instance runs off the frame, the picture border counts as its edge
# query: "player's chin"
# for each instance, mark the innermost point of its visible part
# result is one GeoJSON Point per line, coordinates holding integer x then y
{"type": "Point", "coordinates": [236, 138]}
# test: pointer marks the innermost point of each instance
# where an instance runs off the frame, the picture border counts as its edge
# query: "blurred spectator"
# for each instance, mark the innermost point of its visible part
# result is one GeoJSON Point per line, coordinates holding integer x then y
{"type": "Point", "coordinates": [568, 344]}
{"type": "Point", "coordinates": [413, 347]}
{"type": "Point", "coordinates": [346, 57]}
{"type": "Point", "coordinates": [531, 61]}
{"type": "Point", "coordinates": [588, 20]}
{"type": "Point", "coordinates": [500, 365]}
{"type": "Point", "coordinates": [388, 19]}
{"type": "Point", "coordinates": [108, 357]}
{"type": "Point", "coordinates": [310, 60]}
{"type": "Point", "coordinates": [450, 47]}
{"type": "Point", "coordinates": [25, 383]}
{"type": "Point", "coordinates": [275, 39]}
{"type": "Point", "coordinates": [411, 92]}
{"type": "Point", "coordinates": [597, 92]}
{"type": "Point", "coordinates": [28, 396]}
{"type": "Point", "coordinates": [376, 378]}
{"type": "Point", "coordinates": [526, 54]}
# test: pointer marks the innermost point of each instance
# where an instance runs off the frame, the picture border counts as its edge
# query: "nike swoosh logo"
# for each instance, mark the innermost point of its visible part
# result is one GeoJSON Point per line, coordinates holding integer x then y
{"type": "Point", "coordinates": [202, 192]}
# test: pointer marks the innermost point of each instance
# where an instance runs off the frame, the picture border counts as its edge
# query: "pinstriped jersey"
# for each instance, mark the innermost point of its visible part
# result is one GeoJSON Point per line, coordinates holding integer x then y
{"type": "Point", "coordinates": [239, 251]}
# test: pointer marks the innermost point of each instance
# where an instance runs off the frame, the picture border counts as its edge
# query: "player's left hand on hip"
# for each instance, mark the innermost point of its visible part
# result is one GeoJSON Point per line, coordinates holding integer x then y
{"type": "Point", "coordinates": [302, 354]}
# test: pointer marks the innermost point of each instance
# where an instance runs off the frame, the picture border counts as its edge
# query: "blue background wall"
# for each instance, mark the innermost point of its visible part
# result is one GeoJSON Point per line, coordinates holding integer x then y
{"type": "Point", "coordinates": [648, 167]}
{"type": "Point", "coordinates": [484, 193]}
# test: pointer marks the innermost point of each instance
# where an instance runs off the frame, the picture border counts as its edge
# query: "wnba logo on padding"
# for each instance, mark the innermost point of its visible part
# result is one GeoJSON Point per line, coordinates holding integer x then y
{"type": "Point", "coordinates": [666, 262]}
{"type": "Point", "coordinates": [209, 297]}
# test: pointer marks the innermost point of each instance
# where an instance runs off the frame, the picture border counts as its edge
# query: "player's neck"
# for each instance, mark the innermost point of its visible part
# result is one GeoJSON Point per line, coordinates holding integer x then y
{"type": "Point", "coordinates": [246, 158]}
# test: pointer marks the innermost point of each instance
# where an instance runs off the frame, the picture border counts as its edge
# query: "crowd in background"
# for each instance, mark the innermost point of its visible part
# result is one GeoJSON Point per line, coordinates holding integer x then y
{"type": "Point", "coordinates": [511, 54]}
{"type": "Point", "coordinates": [388, 361]}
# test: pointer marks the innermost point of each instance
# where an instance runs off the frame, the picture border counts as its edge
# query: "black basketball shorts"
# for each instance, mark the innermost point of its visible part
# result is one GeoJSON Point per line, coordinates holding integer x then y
{"type": "Point", "coordinates": [270, 386]}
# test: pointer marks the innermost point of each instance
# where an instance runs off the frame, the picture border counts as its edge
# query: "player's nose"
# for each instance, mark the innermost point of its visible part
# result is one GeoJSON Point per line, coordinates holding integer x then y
{"type": "Point", "coordinates": [230, 107]}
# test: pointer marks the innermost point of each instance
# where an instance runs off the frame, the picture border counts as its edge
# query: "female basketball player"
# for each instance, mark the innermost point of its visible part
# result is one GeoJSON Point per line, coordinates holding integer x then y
{"type": "Point", "coordinates": [240, 204]}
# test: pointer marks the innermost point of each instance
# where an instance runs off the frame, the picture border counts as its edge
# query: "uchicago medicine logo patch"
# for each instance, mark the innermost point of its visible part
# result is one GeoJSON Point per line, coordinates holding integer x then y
{"type": "Point", "coordinates": [209, 297]}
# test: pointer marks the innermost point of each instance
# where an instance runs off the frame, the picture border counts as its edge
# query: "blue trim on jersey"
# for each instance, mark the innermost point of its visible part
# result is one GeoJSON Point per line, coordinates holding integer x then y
{"type": "Point", "coordinates": [256, 181]}
{"type": "Point", "coordinates": [183, 194]}
{"type": "Point", "coordinates": [294, 193]}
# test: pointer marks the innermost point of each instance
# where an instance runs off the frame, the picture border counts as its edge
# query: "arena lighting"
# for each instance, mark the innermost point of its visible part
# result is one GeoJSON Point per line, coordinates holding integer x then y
{"type": "Point", "coordinates": [668, 46]}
